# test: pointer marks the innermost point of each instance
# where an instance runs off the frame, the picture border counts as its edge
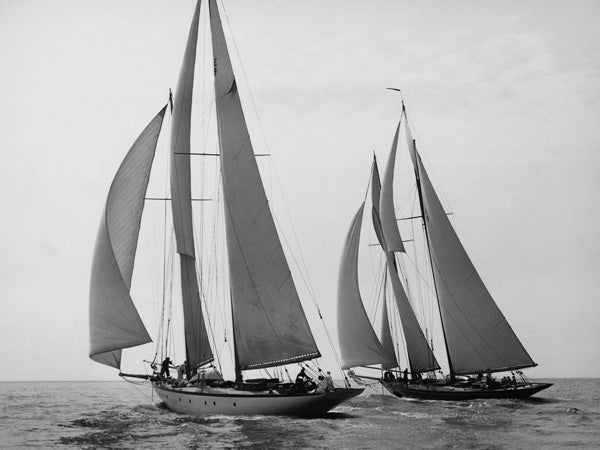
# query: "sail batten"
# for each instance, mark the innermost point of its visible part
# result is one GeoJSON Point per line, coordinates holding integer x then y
{"type": "Point", "coordinates": [198, 350]}
{"type": "Point", "coordinates": [114, 321]}
{"type": "Point", "coordinates": [359, 345]}
{"type": "Point", "coordinates": [478, 336]}
{"type": "Point", "coordinates": [269, 323]}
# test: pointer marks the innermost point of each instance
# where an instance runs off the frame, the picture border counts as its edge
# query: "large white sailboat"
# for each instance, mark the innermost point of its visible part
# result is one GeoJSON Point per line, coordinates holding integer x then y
{"type": "Point", "coordinates": [270, 328]}
{"type": "Point", "coordinates": [477, 337]}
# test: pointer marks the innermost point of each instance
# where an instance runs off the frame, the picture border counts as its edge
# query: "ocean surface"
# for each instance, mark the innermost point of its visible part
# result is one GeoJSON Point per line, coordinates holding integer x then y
{"type": "Point", "coordinates": [119, 414]}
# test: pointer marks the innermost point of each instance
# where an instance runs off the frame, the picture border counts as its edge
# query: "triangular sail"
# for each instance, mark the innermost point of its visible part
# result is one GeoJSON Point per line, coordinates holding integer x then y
{"type": "Point", "coordinates": [270, 327]}
{"type": "Point", "coordinates": [386, 203]}
{"type": "Point", "coordinates": [114, 321]}
{"type": "Point", "coordinates": [478, 336]}
{"type": "Point", "coordinates": [420, 355]}
{"type": "Point", "coordinates": [386, 335]}
{"type": "Point", "coordinates": [196, 338]}
{"type": "Point", "coordinates": [359, 345]}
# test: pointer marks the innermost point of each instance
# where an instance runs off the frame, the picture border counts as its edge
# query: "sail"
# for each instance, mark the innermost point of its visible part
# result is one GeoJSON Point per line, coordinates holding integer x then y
{"type": "Point", "coordinates": [359, 345]}
{"type": "Point", "coordinates": [478, 336]}
{"type": "Point", "coordinates": [196, 338]}
{"type": "Point", "coordinates": [420, 355]}
{"type": "Point", "coordinates": [386, 203]}
{"type": "Point", "coordinates": [386, 335]}
{"type": "Point", "coordinates": [114, 321]}
{"type": "Point", "coordinates": [375, 198]}
{"type": "Point", "coordinates": [270, 327]}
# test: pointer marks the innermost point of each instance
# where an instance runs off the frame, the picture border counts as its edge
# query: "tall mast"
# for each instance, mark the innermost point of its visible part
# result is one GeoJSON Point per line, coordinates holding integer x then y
{"type": "Point", "coordinates": [429, 250]}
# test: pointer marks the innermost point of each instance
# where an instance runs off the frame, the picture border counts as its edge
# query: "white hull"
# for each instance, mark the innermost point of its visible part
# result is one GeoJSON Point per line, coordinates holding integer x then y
{"type": "Point", "coordinates": [231, 402]}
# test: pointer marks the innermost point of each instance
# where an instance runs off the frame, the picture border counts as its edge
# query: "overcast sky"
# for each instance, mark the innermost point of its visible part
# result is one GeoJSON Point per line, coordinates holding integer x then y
{"type": "Point", "coordinates": [504, 98]}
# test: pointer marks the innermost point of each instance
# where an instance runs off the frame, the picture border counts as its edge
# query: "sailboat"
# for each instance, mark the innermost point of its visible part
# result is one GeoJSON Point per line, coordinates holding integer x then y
{"type": "Point", "coordinates": [478, 339]}
{"type": "Point", "coordinates": [270, 328]}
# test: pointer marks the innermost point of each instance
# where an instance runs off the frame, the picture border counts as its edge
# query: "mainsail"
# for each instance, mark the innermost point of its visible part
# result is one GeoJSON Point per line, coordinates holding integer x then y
{"type": "Point", "coordinates": [196, 339]}
{"type": "Point", "coordinates": [478, 336]}
{"type": "Point", "coordinates": [270, 327]}
{"type": "Point", "coordinates": [114, 321]}
{"type": "Point", "coordinates": [359, 345]}
{"type": "Point", "coordinates": [420, 355]}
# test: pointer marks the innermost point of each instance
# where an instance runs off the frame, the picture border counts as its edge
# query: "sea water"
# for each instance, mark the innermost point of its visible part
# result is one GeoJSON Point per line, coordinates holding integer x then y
{"type": "Point", "coordinates": [119, 414]}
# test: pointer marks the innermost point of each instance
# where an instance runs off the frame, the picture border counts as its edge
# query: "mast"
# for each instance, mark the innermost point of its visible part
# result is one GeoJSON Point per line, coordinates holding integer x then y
{"type": "Point", "coordinates": [418, 179]}
{"type": "Point", "coordinates": [420, 355]}
{"type": "Point", "coordinates": [197, 344]}
{"type": "Point", "coordinates": [269, 325]}
{"type": "Point", "coordinates": [477, 335]}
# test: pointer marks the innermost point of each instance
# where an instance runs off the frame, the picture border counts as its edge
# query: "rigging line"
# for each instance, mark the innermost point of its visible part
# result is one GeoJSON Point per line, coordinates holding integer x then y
{"type": "Point", "coordinates": [245, 78]}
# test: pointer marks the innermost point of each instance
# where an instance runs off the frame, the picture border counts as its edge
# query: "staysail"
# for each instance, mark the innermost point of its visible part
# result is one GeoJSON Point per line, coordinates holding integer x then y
{"type": "Point", "coordinates": [386, 335]}
{"type": "Point", "coordinates": [114, 321]}
{"type": "Point", "coordinates": [270, 327]}
{"type": "Point", "coordinates": [359, 345]}
{"type": "Point", "coordinates": [478, 336]}
{"type": "Point", "coordinates": [420, 355]}
{"type": "Point", "coordinates": [197, 345]}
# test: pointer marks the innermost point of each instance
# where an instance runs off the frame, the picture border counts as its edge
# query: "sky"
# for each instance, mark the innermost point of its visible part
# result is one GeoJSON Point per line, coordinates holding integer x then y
{"type": "Point", "coordinates": [503, 97]}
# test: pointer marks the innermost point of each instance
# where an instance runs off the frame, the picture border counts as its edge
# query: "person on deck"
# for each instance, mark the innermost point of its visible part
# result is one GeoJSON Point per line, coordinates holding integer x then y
{"type": "Point", "coordinates": [164, 370]}
{"type": "Point", "coordinates": [302, 379]}
{"type": "Point", "coordinates": [405, 378]}
{"type": "Point", "coordinates": [321, 384]}
{"type": "Point", "coordinates": [329, 382]}
{"type": "Point", "coordinates": [181, 371]}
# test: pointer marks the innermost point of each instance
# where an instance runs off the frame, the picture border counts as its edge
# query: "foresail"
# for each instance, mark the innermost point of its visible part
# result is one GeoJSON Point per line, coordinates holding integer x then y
{"type": "Point", "coordinates": [196, 338]}
{"type": "Point", "coordinates": [359, 344]}
{"type": "Point", "coordinates": [386, 203]}
{"type": "Point", "coordinates": [269, 323]}
{"type": "Point", "coordinates": [386, 335]}
{"type": "Point", "coordinates": [114, 321]}
{"type": "Point", "coordinates": [478, 336]}
{"type": "Point", "coordinates": [420, 355]}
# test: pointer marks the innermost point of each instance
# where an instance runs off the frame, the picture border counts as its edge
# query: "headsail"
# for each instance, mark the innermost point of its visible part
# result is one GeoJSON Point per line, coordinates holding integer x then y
{"type": "Point", "coordinates": [386, 203]}
{"type": "Point", "coordinates": [196, 338]}
{"type": "Point", "coordinates": [420, 355]}
{"type": "Point", "coordinates": [386, 334]}
{"type": "Point", "coordinates": [270, 327]}
{"type": "Point", "coordinates": [478, 336]}
{"type": "Point", "coordinates": [359, 344]}
{"type": "Point", "coordinates": [114, 322]}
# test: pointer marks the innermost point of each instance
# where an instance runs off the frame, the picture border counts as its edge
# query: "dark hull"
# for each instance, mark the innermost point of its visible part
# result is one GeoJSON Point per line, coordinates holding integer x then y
{"type": "Point", "coordinates": [445, 392]}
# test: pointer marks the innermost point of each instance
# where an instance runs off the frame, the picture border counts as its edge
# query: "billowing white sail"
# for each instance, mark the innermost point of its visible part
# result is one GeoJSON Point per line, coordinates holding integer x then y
{"type": "Point", "coordinates": [270, 327]}
{"type": "Point", "coordinates": [420, 355]}
{"type": "Point", "coordinates": [478, 337]}
{"type": "Point", "coordinates": [196, 338]}
{"type": "Point", "coordinates": [114, 322]}
{"type": "Point", "coordinates": [386, 203]}
{"type": "Point", "coordinates": [359, 345]}
{"type": "Point", "coordinates": [386, 335]}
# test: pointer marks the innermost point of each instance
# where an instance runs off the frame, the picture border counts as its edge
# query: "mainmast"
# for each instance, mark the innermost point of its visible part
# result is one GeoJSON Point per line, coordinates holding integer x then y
{"type": "Point", "coordinates": [418, 179]}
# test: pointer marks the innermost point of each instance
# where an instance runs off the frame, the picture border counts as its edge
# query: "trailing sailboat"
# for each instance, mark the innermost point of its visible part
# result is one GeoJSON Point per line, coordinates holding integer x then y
{"type": "Point", "coordinates": [477, 336]}
{"type": "Point", "coordinates": [270, 328]}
